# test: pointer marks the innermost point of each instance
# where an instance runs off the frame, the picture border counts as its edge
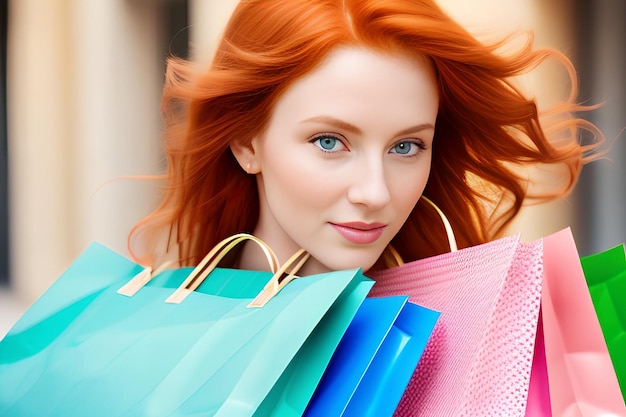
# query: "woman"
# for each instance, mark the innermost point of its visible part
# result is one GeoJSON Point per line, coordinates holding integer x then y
{"type": "Point", "coordinates": [320, 123]}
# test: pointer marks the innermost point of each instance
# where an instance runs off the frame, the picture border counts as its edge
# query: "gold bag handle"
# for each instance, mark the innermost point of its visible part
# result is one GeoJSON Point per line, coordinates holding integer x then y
{"type": "Point", "coordinates": [393, 258]}
{"type": "Point", "coordinates": [138, 281]}
{"type": "Point", "coordinates": [446, 224]}
{"type": "Point", "coordinates": [212, 259]}
{"type": "Point", "coordinates": [275, 284]}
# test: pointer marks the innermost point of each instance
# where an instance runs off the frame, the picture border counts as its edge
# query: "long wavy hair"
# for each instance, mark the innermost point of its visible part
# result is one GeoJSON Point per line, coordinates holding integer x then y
{"type": "Point", "coordinates": [486, 132]}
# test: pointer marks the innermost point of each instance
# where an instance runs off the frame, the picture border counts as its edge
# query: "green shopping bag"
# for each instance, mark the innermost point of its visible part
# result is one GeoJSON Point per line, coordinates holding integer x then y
{"type": "Point", "coordinates": [606, 277]}
{"type": "Point", "coordinates": [85, 350]}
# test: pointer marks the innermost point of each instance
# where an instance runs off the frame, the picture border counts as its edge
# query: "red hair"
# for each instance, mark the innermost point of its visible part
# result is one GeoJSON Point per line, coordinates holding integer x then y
{"type": "Point", "coordinates": [486, 128]}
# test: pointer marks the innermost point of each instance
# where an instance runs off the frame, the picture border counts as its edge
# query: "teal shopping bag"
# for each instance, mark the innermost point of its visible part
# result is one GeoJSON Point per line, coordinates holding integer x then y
{"type": "Point", "coordinates": [84, 350]}
{"type": "Point", "coordinates": [375, 359]}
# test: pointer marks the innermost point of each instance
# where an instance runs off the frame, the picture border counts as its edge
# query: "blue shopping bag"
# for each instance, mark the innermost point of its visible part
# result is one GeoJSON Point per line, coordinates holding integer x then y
{"type": "Point", "coordinates": [83, 349]}
{"type": "Point", "coordinates": [375, 359]}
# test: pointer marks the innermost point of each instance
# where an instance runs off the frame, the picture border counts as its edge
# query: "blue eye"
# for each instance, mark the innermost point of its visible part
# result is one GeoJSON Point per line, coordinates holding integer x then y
{"type": "Point", "coordinates": [328, 143]}
{"type": "Point", "coordinates": [405, 148]}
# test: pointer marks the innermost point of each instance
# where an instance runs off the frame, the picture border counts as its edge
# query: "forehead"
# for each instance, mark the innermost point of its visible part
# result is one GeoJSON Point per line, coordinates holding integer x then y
{"type": "Point", "coordinates": [355, 80]}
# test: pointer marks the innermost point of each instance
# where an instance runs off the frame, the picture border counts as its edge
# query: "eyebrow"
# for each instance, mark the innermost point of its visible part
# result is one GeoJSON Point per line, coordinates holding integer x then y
{"type": "Point", "coordinates": [353, 129]}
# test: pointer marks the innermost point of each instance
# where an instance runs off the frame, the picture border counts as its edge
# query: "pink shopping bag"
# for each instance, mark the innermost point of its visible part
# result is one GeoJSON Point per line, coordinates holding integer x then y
{"type": "Point", "coordinates": [479, 358]}
{"type": "Point", "coordinates": [580, 372]}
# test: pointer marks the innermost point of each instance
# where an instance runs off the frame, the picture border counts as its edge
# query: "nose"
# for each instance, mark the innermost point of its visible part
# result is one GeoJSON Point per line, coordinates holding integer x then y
{"type": "Point", "coordinates": [369, 185]}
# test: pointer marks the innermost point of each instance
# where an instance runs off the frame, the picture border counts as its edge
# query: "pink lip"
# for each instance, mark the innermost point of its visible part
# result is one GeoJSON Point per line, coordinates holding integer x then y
{"type": "Point", "coordinates": [359, 232]}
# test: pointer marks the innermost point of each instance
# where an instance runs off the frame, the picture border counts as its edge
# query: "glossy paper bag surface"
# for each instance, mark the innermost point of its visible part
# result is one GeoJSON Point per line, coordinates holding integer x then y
{"type": "Point", "coordinates": [606, 278]}
{"type": "Point", "coordinates": [87, 350]}
{"type": "Point", "coordinates": [580, 373]}
{"type": "Point", "coordinates": [375, 360]}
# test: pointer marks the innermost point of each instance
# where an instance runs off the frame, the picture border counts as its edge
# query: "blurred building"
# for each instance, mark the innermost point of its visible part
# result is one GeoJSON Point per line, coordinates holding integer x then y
{"type": "Point", "coordinates": [601, 61]}
{"type": "Point", "coordinates": [80, 110]}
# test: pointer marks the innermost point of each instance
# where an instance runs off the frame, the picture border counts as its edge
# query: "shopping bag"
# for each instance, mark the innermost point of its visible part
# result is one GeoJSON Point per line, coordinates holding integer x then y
{"type": "Point", "coordinates": [375, 359]}
{"type": "Point", "coordinates": [479, 357]}
{"type": "Point", "coordinates": [83, 349]}
{"type": "Point", "coordinates": [605, 273]}
{"type": "Point", "coordinates": [538, 403]}
{"type": "Point", "coordinates": [580, 372]}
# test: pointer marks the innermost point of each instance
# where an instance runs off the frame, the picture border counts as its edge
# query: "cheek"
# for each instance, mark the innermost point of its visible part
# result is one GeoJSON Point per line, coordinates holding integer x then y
{"type": "Point", "coordinates": [406, 190]}
{"type": "Point", "coordinates": [299, 185]}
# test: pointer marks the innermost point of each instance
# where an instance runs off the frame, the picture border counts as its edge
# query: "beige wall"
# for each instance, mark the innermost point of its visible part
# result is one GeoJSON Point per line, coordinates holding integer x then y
{"type": "Point", "coordinates": [83, 101]}
{"type": "Point", "coordinates": [207, 31]}
{"type": "Point", "coordinates": [83, 97]}
{"type": "Point", "coordinates": [38, 137]}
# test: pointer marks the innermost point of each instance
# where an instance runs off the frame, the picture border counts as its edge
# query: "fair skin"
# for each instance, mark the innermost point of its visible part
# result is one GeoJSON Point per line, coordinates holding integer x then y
{"type": "Point", "coordinates": [343, 160]}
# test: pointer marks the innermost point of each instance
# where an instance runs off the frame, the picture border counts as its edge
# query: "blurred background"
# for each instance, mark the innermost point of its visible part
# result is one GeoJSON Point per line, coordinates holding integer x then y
{"type": "Point", "coordinates": [80, 87]}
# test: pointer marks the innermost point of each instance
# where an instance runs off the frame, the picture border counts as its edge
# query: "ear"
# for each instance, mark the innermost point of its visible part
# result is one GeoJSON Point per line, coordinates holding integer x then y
{"type": "Point", "coordinates": [246, 153]}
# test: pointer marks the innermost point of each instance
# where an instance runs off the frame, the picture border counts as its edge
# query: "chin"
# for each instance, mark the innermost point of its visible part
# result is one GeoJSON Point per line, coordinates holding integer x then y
{"type": "Point", "coordinates": [343, 261]}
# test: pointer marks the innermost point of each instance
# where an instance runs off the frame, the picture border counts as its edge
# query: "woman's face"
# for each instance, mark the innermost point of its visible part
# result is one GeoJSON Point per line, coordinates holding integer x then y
{"type": "Point", "coordinates": [345, 157]}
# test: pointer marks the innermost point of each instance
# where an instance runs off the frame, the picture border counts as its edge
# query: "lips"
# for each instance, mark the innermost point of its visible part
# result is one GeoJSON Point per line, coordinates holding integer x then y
{"type": "Point", "coordinates": [360, 233]}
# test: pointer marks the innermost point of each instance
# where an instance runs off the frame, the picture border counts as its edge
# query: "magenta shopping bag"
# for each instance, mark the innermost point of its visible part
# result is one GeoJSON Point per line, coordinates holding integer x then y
{"type": "Point", "coordinates": [538, 404]}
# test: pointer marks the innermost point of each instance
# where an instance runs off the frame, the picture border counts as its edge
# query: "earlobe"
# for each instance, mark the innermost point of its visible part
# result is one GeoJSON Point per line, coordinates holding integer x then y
{"type": "Point", "coordinates": [246, 155]}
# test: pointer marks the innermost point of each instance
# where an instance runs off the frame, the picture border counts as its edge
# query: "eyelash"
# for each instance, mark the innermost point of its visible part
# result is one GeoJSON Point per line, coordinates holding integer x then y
{"type": "Point", "coordinates": [417, 142]}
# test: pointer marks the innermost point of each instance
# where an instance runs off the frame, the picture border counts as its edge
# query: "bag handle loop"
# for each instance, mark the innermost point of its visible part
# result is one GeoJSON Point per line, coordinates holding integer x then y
{"type": "Point", "coordinates": [212, 259]}
{"type": "Point", "coordinates": [446, 224]}
{"type": "Point", "coordinates": [275, 284]}
{"type": "Point", "coordinates": [393, 258]}
{"type": "Point", "coordinates": [216, 255]}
